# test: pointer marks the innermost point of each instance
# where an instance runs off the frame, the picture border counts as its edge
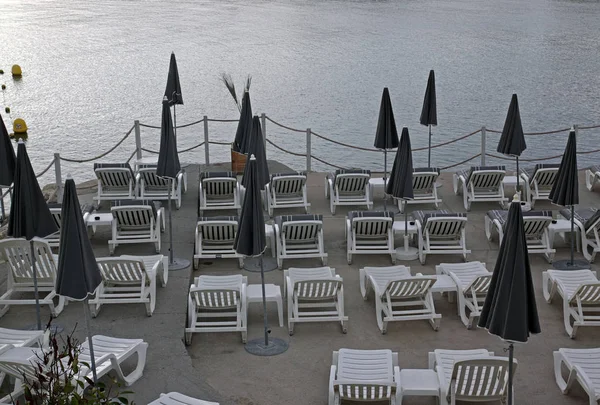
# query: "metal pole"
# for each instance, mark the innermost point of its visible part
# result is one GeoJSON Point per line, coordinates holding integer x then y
{"type": "Point", "coordinates": [86, 310]}
{"type": "Point", "coordinates": [175, 121]}
{"type": "Point", "coordinates": [264, 294]}
{"type": "Point", "coordinates": [206, 149]}
{"type": "Point", "coordinates": [483, 148]}
{"type": "Point", "coordinates": [58, 176]}
{"type": "Point", "coordinates": [263, 123]}
{"type": "Point", "coordinates": [518, 176]}
{"type": "Point", "coordinates": [384, 179]}
{"type": "Point", "coordinates": [308, 149]}
{"type": "Point", "coordinates": [429, 150]}
{"type": "Point", "coordinates": [170, 224]}
{"type": "Point", "coordinates": [2, 204]}
{"type": "Point", "coordinates": [572, 234]}
{"type": "Point", "coordinates": [138, 140]}
{"type": "Point", "coordinates": [38, 317]}
{"type": "Point", "coordinates": [510, 373]}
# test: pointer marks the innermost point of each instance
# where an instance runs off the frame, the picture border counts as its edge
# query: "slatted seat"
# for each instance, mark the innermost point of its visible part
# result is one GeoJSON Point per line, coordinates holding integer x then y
{"type": "Point", "coordinates": [217, 304]}
{"type": "Point", "coordinates": [299, 237]}
{"type": "Point", "coordinates": [480, 184]}
{"type": "Point", "coordinates": [175, 398]}
{"type": "Point", "coordinates": [441, 232]}
{"type": "Point", "coordinates": [348, 187]}
{"type": "Point", "coordinates": [152, 187]}
{"type": "Point", "coordinates": [215, 237]}
{"type": "Point", "coordinates": [17, 252]}
{"type": "Point", "coordinates": [115, 182]}
{"type": "Point", "coordinates": [424, 188]}
{"type": "Point", "coordinates": [136, 222]}
{"type": "Point", "coordinates": [218, 191]}
{"type": "Point", "coordinates": [592, 176]}
{"type": "Point", "coordinates": [127, 280]}
{"type": "Point", "coordinates": [539, 181]}
{"type": "Point", "coordinates": [370, 232]}
{"type": "Point", "coordinates": [364, 376]}
{"type": "Point", "coordinates": [472, 281]}
{"type": "Point", "coordinates": [287, 190]}
{"type": "Point", "coordinates": [470, 375]}
{"type": "Point", "coordinates": [587, 221]}
{"type": "Point", "coordinates": [399, 296]}
{"type": "Point", "coordinates": [580, 291]}
{"type": "Point", "coordinates": [535, 225]}
{"type": "Point", "coordinates": [314, 295]}
{"type": "Point", "coordinates": [10, 338]}
{"type": "Point", "coordinates": [582, 366]}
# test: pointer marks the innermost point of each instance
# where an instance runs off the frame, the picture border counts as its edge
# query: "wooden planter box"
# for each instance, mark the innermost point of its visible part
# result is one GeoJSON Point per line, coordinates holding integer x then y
{"type": "Point", "coordinates": [238, 162]}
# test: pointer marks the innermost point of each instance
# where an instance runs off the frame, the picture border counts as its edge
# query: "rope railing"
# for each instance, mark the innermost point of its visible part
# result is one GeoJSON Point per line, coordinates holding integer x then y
{"type": "Point", "coordinates": [327, 163]}
{"type": "Point", "coordinates": [220, 120]}
{"type": "Point", "coordinates": [283, 126]}
{"type": "Point", "coordinates": [102, 154]}
{"type": "Point", "coordinates": [460, 163]}
{"type": "Point", "coordinates": [557, 131]}
{"type": "Point", "coordinates": [342, 143]}
{"type": "Point", "coordinates": [155, 152]}
{"type": "Point", "coordinates": [583, 152]}
{"type": "Point", "coordinates": [219, 143]}
{"type": "Point", "coordinates": [287, 151]}
{"type": "Point", "coordinates": [46, 169]}
{"type": "Point", "coordinates": [450, 141]}
{"type": "Point", "coordinates": [131, 157]}
{"type": "Point", "coordinates": [191, 148]}
{"type": "Point", "coordinates": [178, 126]}
{"type": "Point", "coordinates": [590, 127]}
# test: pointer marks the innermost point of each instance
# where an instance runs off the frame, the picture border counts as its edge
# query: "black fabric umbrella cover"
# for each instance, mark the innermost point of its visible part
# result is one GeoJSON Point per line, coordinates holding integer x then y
{"type": "Point", "coordinates": [29, 212]}
{"type": "Point", "coordinates": [173, 90]}
{"type": "Point", "coordinates": [7, 157]}
{"type": "Point", "coordinates": [78, 273]}
{"type": "Point", "coordinates": [512, 140]}
{"type": "Point", "coordinates": [565, 190]}
{"type": "Point", "coordinates": [510, 311]}
{"type": "Point", "coordinates": [250, 239]}
{"type": "Point", "coordinates": [257, 148]}
{"type": "Point", "coordinates": [400, 184]}
{"type": "Point", "coordinates": [429, 111]}
{"type": "Point", "coordinates": [241, 143]}
{"type": "Point", "coordinates": [168, 159]}
{"type": "Point", "coordinates": [386, 136]}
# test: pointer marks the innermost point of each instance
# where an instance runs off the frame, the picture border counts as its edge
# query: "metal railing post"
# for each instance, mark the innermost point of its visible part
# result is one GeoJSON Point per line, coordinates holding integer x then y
{"type": "Point", "coordinates": [138, 140]}
{"type": "Point", "coordinates": [206, 148]}
{"type": "Point", "coordinates": [308, 149]}
{"type": "Point", "coordinates": [483, 133]}
{"type": "Point", "coordinates": [58, 177]}
{"type": "Point", "coordinates": [263, 123]}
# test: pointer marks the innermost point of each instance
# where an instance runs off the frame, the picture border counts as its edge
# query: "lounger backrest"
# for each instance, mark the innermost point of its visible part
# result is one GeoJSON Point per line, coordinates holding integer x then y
{"type": "Point", "coordinates": [535, 226]}
{"type": "Point", "coordinates": [484, 379]}
{"type": "Point", "coordinates": [288, 184]}
{"type": "Point", "coordinates": [18, 367]}
{"type": "Point", "coordinates": [218, 184]}
{"type": "Point", "coordinates": [114, 175]}
{"type": "Point", "coordinates": [151, 180]}
{"type": "Point", "coordinates": [299, 273]}
{"type": "Point", "coordinates": [371, 224]}
{"type": "Point", "coordinates": [364, 392]}
{"type": "Point", "coordinates": [480, 285]}
{"type": "Point", "coordinates": [592, 222]}
{"type": "Point", "coordinates": [117, 270]}
{"type": "Point", "coordinates": [134, 217]}
{"type": "Point", "coordinates": [485, 176]}
{"type": "Point", "coordinates": [216, 299]}
{"type": "Point", "coordinates": [318, 289]}
{"type": "Point", "coordinates": [17, 252]}
{"type": "Point", "coordinates": [217, 229]}
{"type": "Point", "coordinates": [408, 287]}
{"type": "Point", "coordinates": [351, 183]}
{"type": "Point", "coordinates": [587, 294]}
{"type": "Point", "coordinates": [365, 366]}
{"type": "Point", "coordinates": [301, 231]}
{"type": "Point", "coordinates": [424, 179]}
{"type": "Point", "coordinates": [445, 226]}
{"type": "Point", "coordinates": [56, 211]}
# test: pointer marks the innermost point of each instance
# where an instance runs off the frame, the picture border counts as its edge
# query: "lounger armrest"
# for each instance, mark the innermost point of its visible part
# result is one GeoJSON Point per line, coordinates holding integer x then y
{"type": "Point", "coordinates": [332, 374]}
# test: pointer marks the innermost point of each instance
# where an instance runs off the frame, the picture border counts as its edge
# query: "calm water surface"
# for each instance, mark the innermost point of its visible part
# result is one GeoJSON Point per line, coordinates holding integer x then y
{"type": "Point", "coordinates": [91, 68]}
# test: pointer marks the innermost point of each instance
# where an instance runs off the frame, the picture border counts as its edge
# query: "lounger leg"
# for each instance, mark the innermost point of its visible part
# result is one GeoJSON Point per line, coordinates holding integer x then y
{"type": "Point", "coordinates": [570, 329]}
{"type": "Point", "coordinates": [139, 370]}
{"type": "Point", "coordinates": [564, 386]}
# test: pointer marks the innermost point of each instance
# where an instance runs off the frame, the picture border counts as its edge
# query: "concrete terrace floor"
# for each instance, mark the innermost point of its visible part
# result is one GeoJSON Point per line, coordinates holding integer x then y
{"type": "Point", "coordinates": [216, 366]}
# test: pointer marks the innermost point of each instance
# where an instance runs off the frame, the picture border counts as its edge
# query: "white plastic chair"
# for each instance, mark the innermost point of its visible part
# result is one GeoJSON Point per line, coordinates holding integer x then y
{"type": "Point", "coordinates": [287, 190]}
{"type": "Point", "coordinates": [480, 184]}
{"type": "Point", "coordinates": [370, 232]}
{"type": "Point", "coordinates": [424, 188]}
{"type": "Point", "coordinates": [441, 232]}
{"type": "Point", "coordinates": [587, 222]}
{"type": "Point", "coordinates": [218, 191]}
{"type": "Point", "coordinates": [214, 238]}
{"type": "Point", "coordinates": [299, 237]}
{"type": "Point", "coordinates": [115, 182]}
{"type": "Point", "coordinates": [539, 181]}
{"type": "Point", "coordinates": [152, 187]}
{"type": "Point", "coordinates": [582, 366]}
{"type": "Point", "coordinates": [136, 222]}
{"type": "Point", "coordinates": [592, 176]}
{"type": "Point", "coordinates": [348, 187]}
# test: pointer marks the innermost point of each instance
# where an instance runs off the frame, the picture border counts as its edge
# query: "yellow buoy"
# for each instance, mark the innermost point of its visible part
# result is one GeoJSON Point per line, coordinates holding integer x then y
{"type": "Point", "coordinates": [19, 126]}
{"type": "Point", "coordinates": [16, 70]}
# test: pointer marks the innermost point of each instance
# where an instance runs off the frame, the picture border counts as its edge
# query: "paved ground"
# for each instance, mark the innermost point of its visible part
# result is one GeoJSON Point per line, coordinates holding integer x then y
{"type": "Point", "coordinates": [216, 366]}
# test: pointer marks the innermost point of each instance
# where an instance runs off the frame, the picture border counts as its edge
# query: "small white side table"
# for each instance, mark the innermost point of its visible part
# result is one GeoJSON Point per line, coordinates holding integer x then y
{"type": "Point", "coordinates": [96, 219]}
{"type": "Point", "coordinates": [272, 294]}
{"type": "Point", "coordinates": [418, 382]}
{"type": "Point", "coordinates": [562, 227]}
{"type": "Point", "coordinates": [444, 284]}
{"type": "Point", "coordinates": [407, 252]}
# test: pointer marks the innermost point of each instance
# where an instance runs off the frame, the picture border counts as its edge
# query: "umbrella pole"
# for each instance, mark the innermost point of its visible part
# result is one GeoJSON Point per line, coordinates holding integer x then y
{"type": "Point", "coordinates": [572, 235]}
{"type": "Point", "coordinates": [2, 204]}
{"type": "Point", "coordinates": [264, 294]}
{"type": "Point", "coordinates": [38, 317]}
{"type": "Point", "coordinates": [384, 179]}
{"type": "Point", "coordinates": [429, 149]}
{"type": "Point", "coordinates": [86, 310]}
{"type": "Point", "coordinates": [511, 349]}
{"type": "Point", "coordinates": [175, 120]}
{"type": "Point", "coordinates": [171, 257]}
{"type": "Point", "coordinates": [517, 189]}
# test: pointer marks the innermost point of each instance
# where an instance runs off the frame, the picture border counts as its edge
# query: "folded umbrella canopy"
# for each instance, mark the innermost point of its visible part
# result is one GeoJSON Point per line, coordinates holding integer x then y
{"type": "Point", "coordinates": [386, 136]}
{"type": "Point", "coordinates": [7, 162]}
{"type": "Point", "coordinates": [429, 110]}
{"type": "Point", "coordinates": [257, 148]}
{"type": "Point", "coordinates": [243, 134]}
{"type": "Point", "coordinates": [173, 90]}
{"type": "Point", "coordinates": [510, 311]}
{"type": "Point", "coordinates": [30, 216]}
{"type": "Point", "coordinates": [78, 275]}
{"type": "Point", "coordinates": [512, 140]}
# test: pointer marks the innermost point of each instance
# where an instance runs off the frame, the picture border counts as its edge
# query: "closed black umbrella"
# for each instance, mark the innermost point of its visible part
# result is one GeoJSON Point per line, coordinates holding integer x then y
{"type": "Point", "coordinates": [257, 148]}
{"type": "Point", "coordinates": [250, 240]}
{"type": "Point", "coordinates": [173, 89]}
{"type": "Point", "coordinates": [30, 216]}
{"type": "Point", "coordinates": [78, 275]}
{"type": "Point", "coordinates": [429, 111]}
{"type": "Point", "coordinates": [243, 134]}
{"type": "Point", "coordinates": [386, 137]}
{"type": "Point", "coordinates": [565, 192]}
{"type": "Point", "coordinates": [7, 162]}
{"type": "Point", "coordinates": [510, 311]}
{"type": "Point", "coordinates": [169, 166]}
{"type": "Point", "coordinates": [512, 140]}
{"type": "Point", "coordinates": [401, 186]}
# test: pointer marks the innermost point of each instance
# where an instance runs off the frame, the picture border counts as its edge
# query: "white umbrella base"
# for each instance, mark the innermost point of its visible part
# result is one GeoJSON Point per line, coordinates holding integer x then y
{"type": "Point", "coordinates": [179, 264]}
{"type": "Point", "coordinates": [257, 347]}
{"type": "Point", "coordinates": [407, 253]}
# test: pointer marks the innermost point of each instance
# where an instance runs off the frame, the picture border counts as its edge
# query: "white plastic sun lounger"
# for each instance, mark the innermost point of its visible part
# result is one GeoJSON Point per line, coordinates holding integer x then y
{"type": "Point", "coordinates": [136, 222]}
{"type": "Point", "coordinates": [592, 176]}
{"type": "Point", "coordinates": [10, 338]}
{"type": "Point", "coordinates": [441, 232]}
{"type": "Point", "coordinates": [580, 291]}
{"type": "Point", "coordinates": [152, 187]}
{"type": "Point", "coordinates": [218, 191]}
{"type": "Point", "coordinates": [214, 238]}
{"type": "Point", "coordinates": [115, 182]}
{"type": "Point", "coordinates": [582, 366]}
{"type": "Point", "coordinates": [314, 295]}
{"type": "Point", "coordinates": [109, 354]}
{"type": "Point", "coordinates": [587, 221]}
{"type": "Point", "coordinates": [480, 184]}
{"type": "Point", "coordinates": [424, 188]}
{"type": "Point", "coordinates": [364, 376]}
{"type": "Point", "coordinates": [287, 190]}
{"type": "Point", "coordinates": [299, 237]}
{"type": "Point", "coordinates": [217, 304]}
{"type": "Point", "coordinates": [470, 375]}
{"type": "Point", "coordinates": [472, 281]}
{"type": "Point", "coordinates": [348, 187]}
{"type": "Point", "coordinates": [399, 296]}
{"type": "Point", "coordinates": [175, 398]}
{"type": "Point", "coordinates": [56, 211]}
{"type": "Point", "coordinates": [369, 233]}
{"type": "Point", "coordinates": [539, 181]}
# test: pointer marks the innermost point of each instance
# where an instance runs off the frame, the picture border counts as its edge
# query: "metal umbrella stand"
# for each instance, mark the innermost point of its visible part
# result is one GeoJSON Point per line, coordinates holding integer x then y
{"type": "Point", "coordinates": [510, 311]}
{"type": "Point", "coordinates": [565, 192]}
{"type": "Point", "coordinates": [30, 216]}
{"type": "Point", "coordinates": [250, 240]}
{"type": "Point", "coordinates": [401, 186]}
{"type": "Point", "coordinates": [429, 111]}
{"type": "Point", "coordinates": [78, 275]}
{"type": "Point", "coordinates": [7, 164]}
{"type": "Point", "coordinates": [168, 166]}
{"type": "Point", "coordinates": [386, 136]}
{"type": "Point", "coordinates": [512, 140]}
{"type": "Point", "coordinates": [173, 90]}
